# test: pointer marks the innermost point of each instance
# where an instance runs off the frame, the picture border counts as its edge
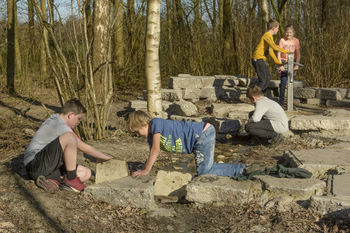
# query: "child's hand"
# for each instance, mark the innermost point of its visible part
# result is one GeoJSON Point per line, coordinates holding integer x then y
{"type": "Point", "coordinates": [140, 173]}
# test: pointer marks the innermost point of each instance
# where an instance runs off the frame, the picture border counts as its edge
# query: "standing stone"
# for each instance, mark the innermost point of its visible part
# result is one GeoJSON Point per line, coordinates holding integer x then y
{"type": "Point", "coordinates": [111, 170]}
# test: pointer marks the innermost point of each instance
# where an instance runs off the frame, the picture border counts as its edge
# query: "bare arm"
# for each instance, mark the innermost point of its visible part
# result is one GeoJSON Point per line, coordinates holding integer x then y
{"type": "Point", "coordinates": [87, 149]}
{"type": "Point", "coordinates": [153, 154]}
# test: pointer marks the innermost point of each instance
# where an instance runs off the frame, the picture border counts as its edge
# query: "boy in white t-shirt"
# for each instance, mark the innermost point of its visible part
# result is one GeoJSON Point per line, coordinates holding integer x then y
{"type": "Point", "coordinates": [290, 43]}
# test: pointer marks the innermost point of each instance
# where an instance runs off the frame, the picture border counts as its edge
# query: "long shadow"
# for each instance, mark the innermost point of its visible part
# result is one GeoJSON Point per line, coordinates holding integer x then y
{"type": "Point", "coordinates": [19, 112]}
{"type": "Point", "coordinates": [17, 166]}
{"type": "Point", "coordinates": [37, 103]}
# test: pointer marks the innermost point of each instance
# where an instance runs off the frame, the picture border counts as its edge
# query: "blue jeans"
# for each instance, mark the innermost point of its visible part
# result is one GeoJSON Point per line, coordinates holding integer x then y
{"type": "Point", "coordinates": [283, 83]}
{"type": "Point", "coordinates": [204, 157]}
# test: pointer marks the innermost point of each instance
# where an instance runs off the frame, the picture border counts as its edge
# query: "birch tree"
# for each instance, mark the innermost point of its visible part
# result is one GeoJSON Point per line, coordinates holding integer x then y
{"type": "Point", "coordinates": [154, 100]}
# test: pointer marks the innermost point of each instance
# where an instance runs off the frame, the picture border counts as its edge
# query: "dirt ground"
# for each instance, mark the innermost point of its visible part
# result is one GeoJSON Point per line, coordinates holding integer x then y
{"type": "Point", "coordinates": [26, 208]}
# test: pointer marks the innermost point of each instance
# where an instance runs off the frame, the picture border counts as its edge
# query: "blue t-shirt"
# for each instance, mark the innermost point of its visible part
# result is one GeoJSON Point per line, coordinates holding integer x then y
{"type": "Point", "coordinates": [176, 136]}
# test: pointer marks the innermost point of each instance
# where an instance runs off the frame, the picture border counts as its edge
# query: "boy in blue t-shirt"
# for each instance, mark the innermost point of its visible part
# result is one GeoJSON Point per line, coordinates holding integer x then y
{"type": "Point", "coordinates": [180, 137]}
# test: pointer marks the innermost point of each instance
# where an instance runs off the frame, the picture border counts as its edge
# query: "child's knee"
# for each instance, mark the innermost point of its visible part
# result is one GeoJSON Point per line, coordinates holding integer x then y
{"type": "Point", "coordinates": [83, 173]}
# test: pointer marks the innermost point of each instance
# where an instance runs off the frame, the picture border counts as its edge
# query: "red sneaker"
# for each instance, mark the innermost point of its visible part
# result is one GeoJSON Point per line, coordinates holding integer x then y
{"type": "Point", "coordinates": [49, 185]}
{"type": "Point", "coordinates": [76, 185]}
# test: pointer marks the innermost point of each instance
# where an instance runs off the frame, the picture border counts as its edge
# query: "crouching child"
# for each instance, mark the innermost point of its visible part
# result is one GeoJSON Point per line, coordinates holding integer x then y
{"type": "Point", "coordinates": [51, 156]}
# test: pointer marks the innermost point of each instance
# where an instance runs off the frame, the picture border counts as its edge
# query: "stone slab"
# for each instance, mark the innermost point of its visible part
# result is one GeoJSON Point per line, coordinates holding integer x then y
{"type": "Point", "coordinates": [341, 185]}
{"type": "Point", "coordinates": [320, 161]}
{"type": "Point", "coordinates": [336, 207]}
{"type": "Point", "coordinates": [184, 118]}
{"type": "Point", "coordinates": [184, 108]}
{"type": "Point", "coordinates": [299, 189]}
{"type": "Point", "coordinates": [223, 125]}
{"type": "Point", "coordinates": [171, 183]}
{"type": "Point", "coordinates": [221, 190]}
{"type": "Point", "coordinates": [127, 191]}
{"type": "Point", "coordinates": [111, 170]}
{"type": "Point", "coordinates": [338, 103]}
{"type": "Point", "coordinates": [319, 122]}
{"type": "Point", "coordinates": [304, 93]}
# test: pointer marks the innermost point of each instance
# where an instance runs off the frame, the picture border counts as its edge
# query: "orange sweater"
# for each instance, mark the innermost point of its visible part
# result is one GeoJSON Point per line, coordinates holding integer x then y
{"type": "Point", "coordinates": [266, 46]}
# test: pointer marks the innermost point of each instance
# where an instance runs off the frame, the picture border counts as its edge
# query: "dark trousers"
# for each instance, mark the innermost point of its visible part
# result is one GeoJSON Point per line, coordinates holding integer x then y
{"type": "Point", "coordinates": [263, 72]}
{"type": "Point", "coordinates": [262, 129]}
{"type": "Point", "coordinates": [283, 84]}
{"type": "Point", "coordinates": [48, 162]}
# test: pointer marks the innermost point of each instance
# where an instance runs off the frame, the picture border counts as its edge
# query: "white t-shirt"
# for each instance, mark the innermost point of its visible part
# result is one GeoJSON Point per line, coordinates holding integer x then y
{"type": "Point", "coordinates": [272, 111]}
{"type": "Point", "coordinates": [52, 128]}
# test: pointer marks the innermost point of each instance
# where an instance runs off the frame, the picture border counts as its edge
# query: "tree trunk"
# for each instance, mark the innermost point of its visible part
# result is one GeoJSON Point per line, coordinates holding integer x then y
{"type": "Point", "coordinates": [44, 38]}
{"type": "Point", "coordinates": [197, 43]}
{"type": "Point", "coordinates": [87, 9]}
{"type": "Point", "coordinates": [118, 33]}
{"type": "Point", "coordinates": [31, 31]}
{"type": "Point", "coordinates": [11, 38]}
{"type": "Point", "coordinates": [169, 35]}
{"type": "Point", "coordinates": [265, 13]}
{"type": "Point", "coordinates": [154, 100]}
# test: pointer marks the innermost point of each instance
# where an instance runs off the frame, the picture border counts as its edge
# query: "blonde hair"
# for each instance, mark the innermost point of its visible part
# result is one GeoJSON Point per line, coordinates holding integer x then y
{"type": "Point", "coordinates": [254, 91]}
{"type": "Point", "coordinates": [273, 23]}
{"type": "Point", "coordinates": [138, 119]}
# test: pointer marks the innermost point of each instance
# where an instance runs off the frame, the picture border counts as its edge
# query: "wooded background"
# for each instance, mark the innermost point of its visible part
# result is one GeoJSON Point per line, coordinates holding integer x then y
{"type": "Point", "coordinates": [93, 47]}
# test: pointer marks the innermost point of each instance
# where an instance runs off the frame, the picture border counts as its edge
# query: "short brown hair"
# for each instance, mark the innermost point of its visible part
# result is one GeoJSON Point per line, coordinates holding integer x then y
{"type": "Point", "coordinates": [289, 26]}
{"type": "Point", "coordinates": [73, 105]}
{"type": "Point", "coordinates": [273, 23]}
{"type": "Point", "coordinates": [138, 119]}
{"type": "Point", "coordinates": [254, 91]}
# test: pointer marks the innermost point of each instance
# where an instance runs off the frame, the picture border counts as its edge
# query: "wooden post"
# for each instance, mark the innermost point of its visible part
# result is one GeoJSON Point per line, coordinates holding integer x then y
{"type": "Point", "coordinates": [290, 81]}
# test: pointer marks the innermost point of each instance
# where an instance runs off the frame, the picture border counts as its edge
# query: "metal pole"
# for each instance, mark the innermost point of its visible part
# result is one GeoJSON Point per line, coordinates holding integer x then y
{"type": "Point", "coordinates": [290, 81]}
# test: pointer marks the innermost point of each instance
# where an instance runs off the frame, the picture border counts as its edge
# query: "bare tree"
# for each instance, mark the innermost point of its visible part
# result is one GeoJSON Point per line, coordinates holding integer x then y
{"type": "Point", "coordinates": [154, 100]}
{"type": "Point", "coordinates": [11, 43]}
{"type": "Point", "coordinates": [44, 39]}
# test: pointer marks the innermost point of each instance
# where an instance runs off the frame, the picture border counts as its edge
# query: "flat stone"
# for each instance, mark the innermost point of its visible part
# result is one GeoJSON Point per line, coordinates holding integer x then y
{"type": "Point", "coordinates": [319, 122]}
{"type": "Point", "coordinates": [320, 161]}
{"type": "Point", "coordinates": [223, 125]}
{"type": "Point", "coordinates": [221, 190]}
{"type": "Point", "coordinates": [171, 94]}
{"type": "Point", "coordinates": [111, 170]}
{"type": "Point", "coordinates": [328, 94]}
{"type": "Point", "coordinates": [338, 103]}
{"type": "Point", "coordinates": [171, 183]}
{"type": "Point", "coordinates": [304, 93]}
{"type": "Point", "coordinates": [138, 105]}
{"type": "Point", "coordinates": [191, 94]}
{"type": "Point", "coordinates": [184, 118]}
{"type": "Point", "coordinates": [336, 207]}
{"type": "Point", "coordinates": [341, 185]}
{"type": "Point", "coordinates": [184, 108]}
{"type": "Point", "coordinates": [127, 191]}
{"type": "Point", "coordinates": [299, 189]}
{"type": "Point", "coordinates": [313, 101]}
{"type": "Point", "coordinates": [208, 93]}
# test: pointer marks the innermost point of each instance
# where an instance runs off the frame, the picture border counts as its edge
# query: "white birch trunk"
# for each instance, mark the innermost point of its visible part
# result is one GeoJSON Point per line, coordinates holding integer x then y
{"type": "Point", "coordinates": [154, 100]}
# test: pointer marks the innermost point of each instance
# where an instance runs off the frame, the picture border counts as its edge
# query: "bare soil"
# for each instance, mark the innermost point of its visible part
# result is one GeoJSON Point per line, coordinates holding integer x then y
{"type": "Point", "coordinates": [26, 208]}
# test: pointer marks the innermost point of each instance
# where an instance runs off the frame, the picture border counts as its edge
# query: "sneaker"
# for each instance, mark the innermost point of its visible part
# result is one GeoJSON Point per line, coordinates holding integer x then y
{"type": "Point", "coordinates": [49, 185]}
{"type": "Point", "coordinates": [277, 140]}
{"type": "Point", "coordinates": [76, 185]}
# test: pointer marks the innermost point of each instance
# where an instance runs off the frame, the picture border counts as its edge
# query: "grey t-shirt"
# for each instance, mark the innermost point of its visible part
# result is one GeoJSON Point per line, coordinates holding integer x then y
{"type": "Point", "coordinates": [272, 111]}
{"type": "Point", "coordinates": [52, 128]}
